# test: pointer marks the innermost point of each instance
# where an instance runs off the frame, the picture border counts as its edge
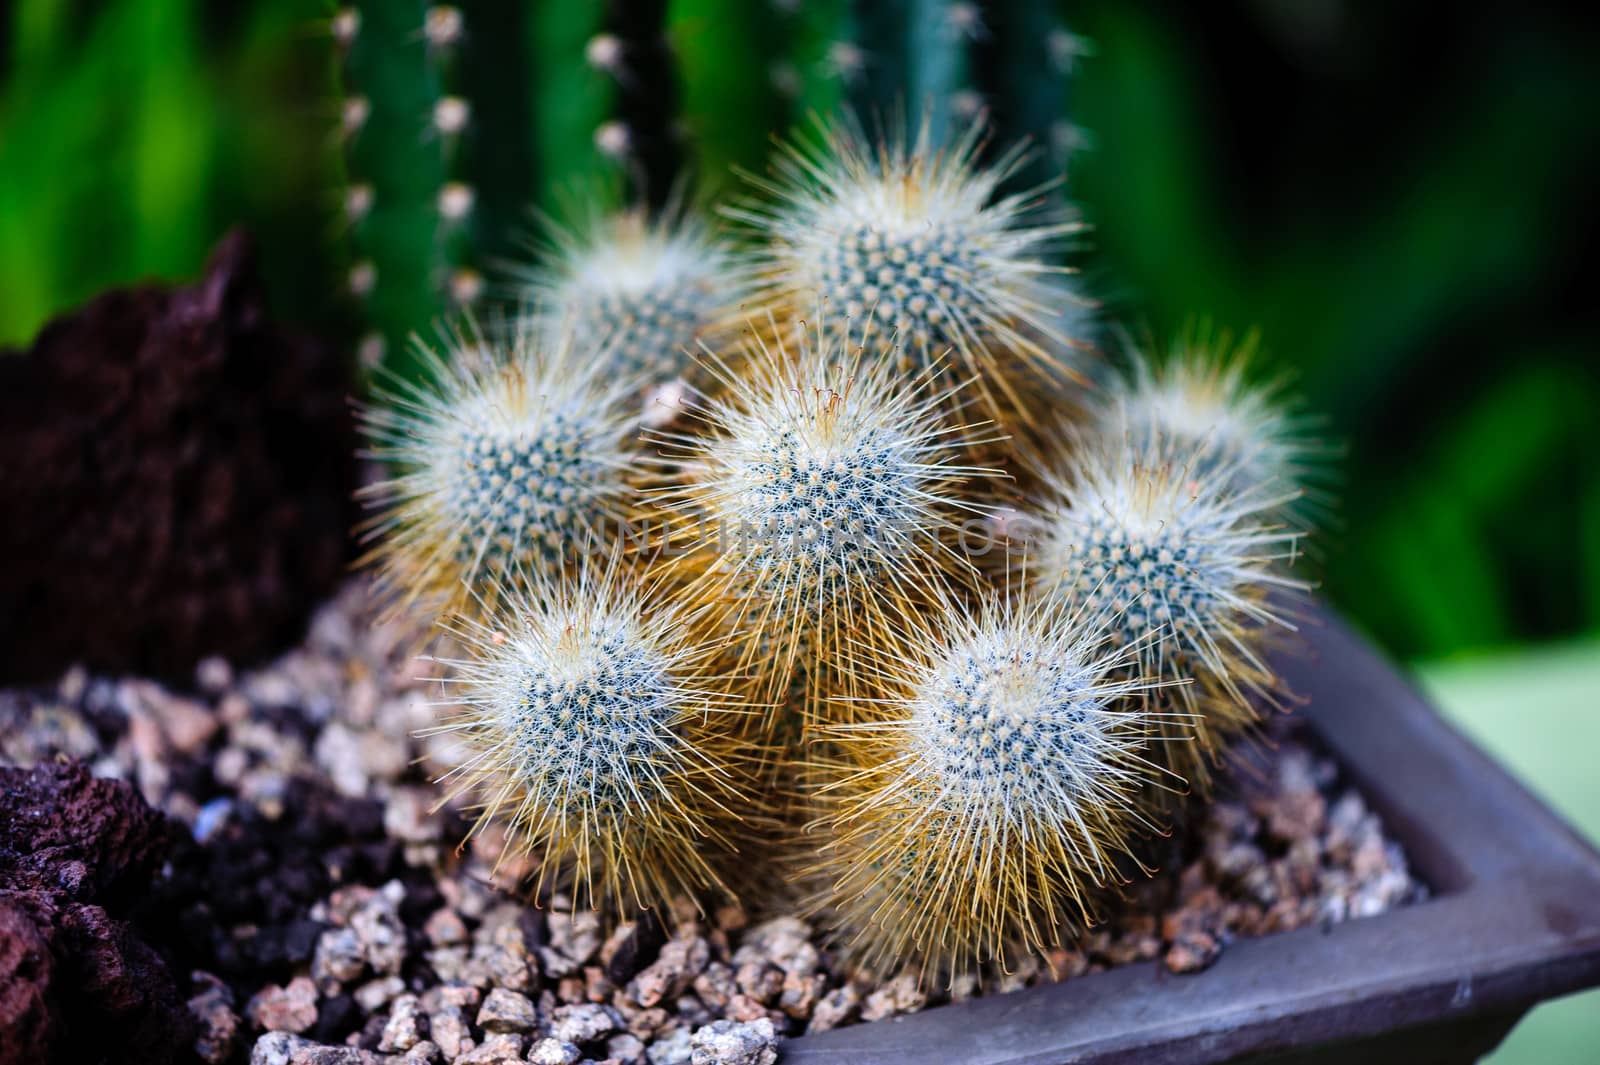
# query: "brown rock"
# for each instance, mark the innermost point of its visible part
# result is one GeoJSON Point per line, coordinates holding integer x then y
{"type": "Point", "coordinates": [177, 446]}
{"type": "Point", "coordinates": [285, 1009]}
{"type": "Point", "coordinates": [77, 982]}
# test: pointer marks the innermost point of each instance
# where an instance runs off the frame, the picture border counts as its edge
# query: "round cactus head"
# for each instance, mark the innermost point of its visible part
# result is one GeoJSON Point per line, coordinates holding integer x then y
{"type": "Point", "coordinates": [507, 456]}
{"type": "Point", "coordinates": [824, 494]}
{"type": "Point", "coordinates": [911, 237]}
{"type": "Point", "coordinates": [1176, 564]}
{"type": "Point", "coordinates": [1200, 403]}
{"type": "Point", "coordinates": [600, 729]}
{"type": "Point", "coordinates": [654, 287]}
{"type": "Point", "coordinates": [998, 789]}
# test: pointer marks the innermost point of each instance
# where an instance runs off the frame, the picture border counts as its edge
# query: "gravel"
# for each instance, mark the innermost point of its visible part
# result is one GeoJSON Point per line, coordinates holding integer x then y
{"type": "Point", "coordinates": [327, 915]}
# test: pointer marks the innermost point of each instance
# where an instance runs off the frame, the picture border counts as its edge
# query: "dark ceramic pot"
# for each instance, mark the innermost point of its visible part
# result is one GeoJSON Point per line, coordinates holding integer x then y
{"type": "Point", "coordinates": [1514, 918]}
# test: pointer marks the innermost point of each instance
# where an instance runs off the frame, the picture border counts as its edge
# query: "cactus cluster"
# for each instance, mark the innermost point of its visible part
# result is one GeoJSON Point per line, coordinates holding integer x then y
{"type": "Point", "coordinates": [786, 642]}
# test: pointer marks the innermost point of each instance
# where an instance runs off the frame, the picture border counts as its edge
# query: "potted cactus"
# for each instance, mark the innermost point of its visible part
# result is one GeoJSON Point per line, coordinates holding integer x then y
{"type": "Point", "coordinates": [796, 620]}
{"type": "Point", "coordinates": [953, 759]}
{"type": "Point", "coordinates": [882, 346]}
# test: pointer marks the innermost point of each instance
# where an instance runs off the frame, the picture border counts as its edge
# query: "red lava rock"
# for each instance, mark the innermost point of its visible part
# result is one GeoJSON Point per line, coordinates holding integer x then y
{"type": "Point", "coordinates": [27, 969]}
{"type": "Point", "coordinates": [173, 452]}
{"type": "Point", "coordinates": [77, 984]}
{"type": "Point", "coordinates": [64, 832]}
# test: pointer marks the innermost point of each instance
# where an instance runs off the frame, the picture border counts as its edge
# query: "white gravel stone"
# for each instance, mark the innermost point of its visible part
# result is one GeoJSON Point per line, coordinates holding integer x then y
{"type": "Point", "coordinates": [735, 1043]}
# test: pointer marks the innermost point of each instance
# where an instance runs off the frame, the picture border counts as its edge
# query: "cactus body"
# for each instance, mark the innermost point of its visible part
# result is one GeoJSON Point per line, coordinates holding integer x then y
{"type": "Point", "coordinates": [656, 288]}
{"type": "Point", "coordinates": [1180, 566]}
{"type": "Point", "coordinates": [508, 456]}
{"type": "Point", "coordinates": [908, 236]}
{"type": "Point", "coordinates": [996, 793]}
{"type": "Point", "coordinates": [823, 497]}
{"type": "Point", "coordinates": [599, 732]}
{"type": "Point", "coordinates": [1199, 403]}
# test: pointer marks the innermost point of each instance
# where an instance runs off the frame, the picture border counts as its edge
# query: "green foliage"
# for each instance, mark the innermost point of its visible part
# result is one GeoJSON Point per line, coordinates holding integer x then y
{"type": "Point", "coordinates": [131, 140]}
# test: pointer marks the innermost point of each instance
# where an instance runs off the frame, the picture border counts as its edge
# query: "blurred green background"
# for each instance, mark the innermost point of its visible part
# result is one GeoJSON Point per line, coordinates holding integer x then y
{"type": "Point", "coordinates": [1401, 199]}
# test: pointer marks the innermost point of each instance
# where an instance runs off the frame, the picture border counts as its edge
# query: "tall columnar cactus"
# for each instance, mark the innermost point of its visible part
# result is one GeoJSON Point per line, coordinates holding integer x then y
{"type": "Point", "coordinates": [455, 119]}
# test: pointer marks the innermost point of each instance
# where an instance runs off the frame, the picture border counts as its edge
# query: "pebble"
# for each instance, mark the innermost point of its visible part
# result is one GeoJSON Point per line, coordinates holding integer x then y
{"type": "Point", "coordinates": [584, 1023]}
{"type": "Point", "coordinates": [403, 1030]}
{"type": "Point", "coordinates": [626, 1049]}
{"type": "Point", "coordinates": [283, 1048]}
{"type": "Point", "coordinates": [424, 1053]}
{"type": "Point", "coordinates": [680, 961]}
{"type": "Point", "coordinates": [839, 1006]}
{"type": "Point", "coordinates": [285, 1009]}
{"type": "Point", "coordinates": [217, 1024]}
{"type": "Point", "coordinates": [375, 994]}
{"type": "Point", "coordinates": [902, 994]}
{"type": "Point", "coordinates": [339, 959]}
{"type": "Point", "coordinates": [447, 1026]}
{"type": "Point", "coordinates": [574, 940]}
{"type": "Point", "coordinates": [677, 1048]}
{"type": "Point", "coordinates": [554, 1052]}
{"type": "Point", "coordinates": [735, 1043]}
{"type": "Point", "coordinates": [507, 1011]}
{"type": "Point", "coordinates": [502, 1049]}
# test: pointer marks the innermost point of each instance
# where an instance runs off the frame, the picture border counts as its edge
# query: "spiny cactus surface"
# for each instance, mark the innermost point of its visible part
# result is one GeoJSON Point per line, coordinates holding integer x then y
{"type": "Point", "coordinates": [908, 237]}
{"type": "Point", "coordinates": [513, 454]}
{"type": "Point", "coordinates": [1178, 564]}
{"type": "Point", "coordinates": [1200, 405]}
{"type": "Point", "coordinates": [655, 287]}
{"type": "Point", "coordinates": [824, 494]}
{"type": "Point", "coordinates": [599, 733]}
{"type": "Point", "coordinates": [996, 791]}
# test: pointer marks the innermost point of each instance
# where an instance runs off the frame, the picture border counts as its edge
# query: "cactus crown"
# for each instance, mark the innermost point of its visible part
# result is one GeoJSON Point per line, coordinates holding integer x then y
{"type": "Point", "coordinates": [508, 455]}
{"type": "Point", "coordinates": [824, 472]}
{"type": "Point", "coordinates": [598, 728]}
{"type": "Point", "coordinates": [1001, 783]}
{"type": "Point", "coordinates": [911, 236]}
{"type": "Point", "coordinates": [1003, 718]}
{"type": "Point", "coordinates": [1201, 404]}
{"type": "Point", "coordinates": [1154, 544]}
{"type": "Point", "coordinates": [655, 287]}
